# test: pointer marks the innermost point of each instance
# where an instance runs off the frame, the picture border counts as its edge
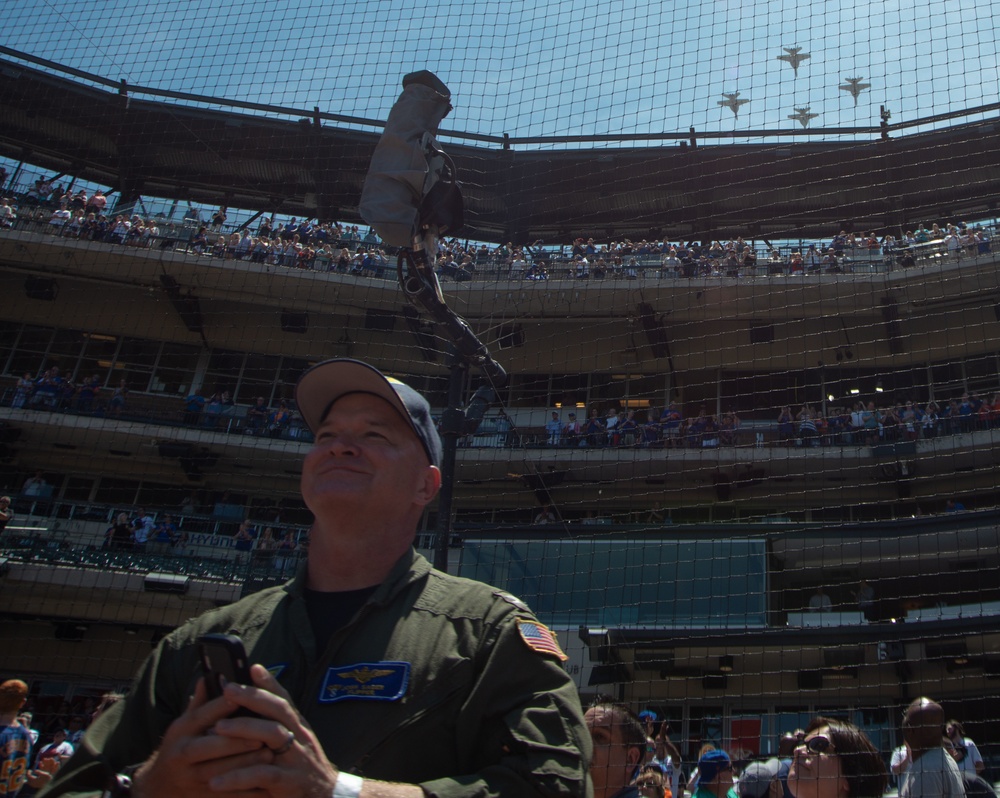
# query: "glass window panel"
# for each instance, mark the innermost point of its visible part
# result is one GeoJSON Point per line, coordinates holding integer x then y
{"type": "Point", "coordinates": [78, 489]}
{"type": "Point", "coordinates": [529, 390]}
{"type": "Point", "coordinates": [570, 390]}
{"type": "Point", "coordinates": [117, 492]}
{"type": "Point", "coordinates": [291, 369]}
{"type": "Point", "coordinates": [663, 582]}
{"type": "Point", "coordinates": [31, 348]}
{"type": "Point", "coordinates": [157, 497]}
{"type": "Point", "coordinates": [259, 376]}
{"type": "Point", "coordinates": [136, 358]}
{"type": "Point", "coordinates": [65, 351]}
{"type": "Point", "coordinates": [981, 373]}
{"type": "Point", "coordinates": [8, 336]}
{"type": "Point", "coordinates": [175, 369]}
{"type": "Point", "coordinates": [99, 357]}
{"type": "Point", "coordinates": [224, 367]}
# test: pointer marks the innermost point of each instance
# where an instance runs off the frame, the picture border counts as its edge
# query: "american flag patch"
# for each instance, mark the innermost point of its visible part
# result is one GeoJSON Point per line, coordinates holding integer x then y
{"type": "Point", "coordinates": [540, 638]}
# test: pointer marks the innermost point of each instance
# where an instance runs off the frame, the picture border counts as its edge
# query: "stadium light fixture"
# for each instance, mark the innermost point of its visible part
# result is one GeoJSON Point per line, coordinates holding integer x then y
{"type": "Point", "coordinates": [855, 391]}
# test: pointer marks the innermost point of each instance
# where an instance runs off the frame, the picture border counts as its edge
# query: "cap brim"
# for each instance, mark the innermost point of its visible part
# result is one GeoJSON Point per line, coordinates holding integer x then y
{"type": "Point", "coordinates": [328, 381]}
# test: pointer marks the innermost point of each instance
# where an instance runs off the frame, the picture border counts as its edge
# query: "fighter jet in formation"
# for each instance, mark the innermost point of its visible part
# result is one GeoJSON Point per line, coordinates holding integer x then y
{"type": "Point", "coordinates": [802, 115]}
{"type": "Point", "coordinates": [794, 57]}
{"type": "Point", "coordinates": [732, 103]}
{"type": "Point", "coordinates": [854, 87]}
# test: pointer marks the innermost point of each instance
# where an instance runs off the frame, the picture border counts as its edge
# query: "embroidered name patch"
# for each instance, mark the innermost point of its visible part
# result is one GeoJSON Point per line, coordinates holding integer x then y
{"type": "Point", "coordinates": [365, 681]}
{"type": "Point", "coordinates": [540, 638]}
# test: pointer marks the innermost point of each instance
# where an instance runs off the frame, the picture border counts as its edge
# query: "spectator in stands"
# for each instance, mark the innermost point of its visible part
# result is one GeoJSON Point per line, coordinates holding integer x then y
{"type": "Point", "coordinates": [35, 487]}
{"type": "Point", "coordinates": [118, 397]}
{"type": "Point", "coordinates": [47, 389]}
{"type": "Point", "coordinates": [59, 219]}
{"type": "Point", "coordinates": [219, 219]}
{"type": "Point", "coordinates": [193, 407]}
{"type": "Point", "coordinates": [967, 754]}
{"type": "Point", "coordinates": [611, 421]}
{"type": "Point", "coordinates": [619, 749]}
{"type": "Point", "coordinates": [120, 535]}
{"type": "Point", "coordinates": [17, 736]}
{"type": "Point", "coordinates": [594, 429]}
{"type": "Point", "coordinates": [820, 602]}
{"type": "Point", "coordinates": [572, 431]}
{"type": "Point", "coordinates": [628, 430]}
{"type": "Point", "coordinates": [8, 215]}
{"type": "Point", "coordinates": [836, 760]}
{"type": "Point", "coordinates": [243, 540]}
{"type": "Point", "coordinates": [786, 427]}
{"type": "Point", "coordinates": [87, 392]}
{"type": "Point", "coordinates": [267, 544]}
{"type": "Point", "coordinates": [553, 429]}
{"type": "Point", "coordinates": [23, 390]}
{"type": "Point", "coordinates": [808, 433]}
{"type": "Point", "coordinates": [199, 241]}
{"type": "Point", "coordinates": [257, 416]}
{"type": "Point", "coordinates": [143, 529]}
{"type": "Point", "coordinates": [933, 772]}
{"type": "Point", "coordinates": [729, 427]}
{"type": "Point", "coordinates": [760, 780]}
{"type": "Point", "coordinates": [546, 516]}
{"type": "Point", "coordinates": [715, 776]}
{"type": "Point", "coordinates": [6, 514]}
{"type": "Point", "coordinates": [865, 596]}
{"type": "Point", "coordinates": [285, 556]}
{"type": "Point", "coordinates": [97, 203]}
{"type": "Point", "coordinates": [279, 420]}
{"type": "Point", "coordinates": [164, 536]}
{"type": "Point", "coordinates": [650, 433]}
{"type": "Point", "coordinates": [670, 425]}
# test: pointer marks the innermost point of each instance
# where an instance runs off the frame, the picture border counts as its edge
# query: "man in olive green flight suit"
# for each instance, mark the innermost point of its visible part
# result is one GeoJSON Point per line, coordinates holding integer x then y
{"type": "Point", "coordinates": [375, 676]}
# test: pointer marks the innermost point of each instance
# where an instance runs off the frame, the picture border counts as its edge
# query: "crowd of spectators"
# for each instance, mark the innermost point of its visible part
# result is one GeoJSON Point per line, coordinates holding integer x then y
{"type": "Point", "coordinates": [263, 546]}
{"type": "Point", "coordinates": [52, 391]}
{"type": "Point", "coordinates": [330, 246]}
{"type": "Point", "coordinates": [865, 424]}
{"type": "Point", "coordinates": [51, 733]}
{"type": "Point", "coordinates": [666, 428]}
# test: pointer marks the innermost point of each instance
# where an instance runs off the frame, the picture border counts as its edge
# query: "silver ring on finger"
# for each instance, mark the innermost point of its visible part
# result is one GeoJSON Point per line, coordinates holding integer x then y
{"type": "Point", "coordinates": [286, 746]}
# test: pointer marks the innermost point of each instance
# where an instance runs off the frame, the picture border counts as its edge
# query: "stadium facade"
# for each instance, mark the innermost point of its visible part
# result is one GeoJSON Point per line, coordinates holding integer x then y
{"type": "Point", "coordinates": [679, 578]}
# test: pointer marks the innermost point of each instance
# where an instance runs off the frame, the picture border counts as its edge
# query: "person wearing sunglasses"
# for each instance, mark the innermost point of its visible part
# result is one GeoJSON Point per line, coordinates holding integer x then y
{"type": "Point", "coordinates": [652, 782]}
{"type": "Point", "coordinates": [933, 772]}
{"type": "Point", "coordinates": [836, 760]}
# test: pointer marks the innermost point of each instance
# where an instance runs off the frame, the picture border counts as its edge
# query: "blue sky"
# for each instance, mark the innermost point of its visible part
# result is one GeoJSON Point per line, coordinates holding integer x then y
{"type": "Point", "coordinates": [532, 68]}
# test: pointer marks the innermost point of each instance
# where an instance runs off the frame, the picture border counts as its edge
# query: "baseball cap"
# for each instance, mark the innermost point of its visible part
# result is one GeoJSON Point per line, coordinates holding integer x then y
{"type": "Point", "coordinates": [711, 764]}
{"type": "Point", "coordinates": [326, 382]}
{"type": "Point", "coordinates": [648, 714]}
{"type": "Point", "coordinates": [757, 778]}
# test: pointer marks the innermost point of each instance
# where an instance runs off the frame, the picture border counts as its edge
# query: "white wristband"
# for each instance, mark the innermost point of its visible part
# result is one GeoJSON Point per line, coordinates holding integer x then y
{"type": "Point", "coordinates": [347, 786]}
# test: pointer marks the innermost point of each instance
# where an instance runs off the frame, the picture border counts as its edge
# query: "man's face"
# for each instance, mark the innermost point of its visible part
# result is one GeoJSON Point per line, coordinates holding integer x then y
{"type": "Point", "coordinates": [611, 768]}
{"type": "Point", "coordinates": [366, 457]}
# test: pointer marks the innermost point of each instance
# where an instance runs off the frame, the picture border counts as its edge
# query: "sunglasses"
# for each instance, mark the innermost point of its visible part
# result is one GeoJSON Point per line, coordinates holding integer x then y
{"type": "Point", "coordinates": [645, 785]}
{"type": "Point", "coordinates": [820, 744]}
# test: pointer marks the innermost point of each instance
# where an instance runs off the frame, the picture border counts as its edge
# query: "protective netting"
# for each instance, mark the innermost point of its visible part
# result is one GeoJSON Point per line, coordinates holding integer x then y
{"type": "Point", "coordinates": [736, 259]}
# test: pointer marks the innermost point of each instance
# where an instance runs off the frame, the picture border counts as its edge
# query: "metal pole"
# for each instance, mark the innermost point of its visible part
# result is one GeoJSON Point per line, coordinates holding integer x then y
{"type": "Point", "coordinates": [452, 426]}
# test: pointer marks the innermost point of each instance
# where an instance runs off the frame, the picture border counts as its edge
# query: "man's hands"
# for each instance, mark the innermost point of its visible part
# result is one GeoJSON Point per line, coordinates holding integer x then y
{"type": "Point", "coordinates": [190, 755]}
{"type": "Point", "coordinates": [296, 765]}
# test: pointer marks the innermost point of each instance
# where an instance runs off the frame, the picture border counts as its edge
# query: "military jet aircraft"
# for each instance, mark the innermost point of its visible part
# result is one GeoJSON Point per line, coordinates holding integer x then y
{"type": "Point", "coordinates": [794, 57]}
{"type": "Point", "coordinates": [802, 115]}
{"type": "Point", "coordinates": [854, 87]}
{"type": "Point", "coordinates": [732, 103]}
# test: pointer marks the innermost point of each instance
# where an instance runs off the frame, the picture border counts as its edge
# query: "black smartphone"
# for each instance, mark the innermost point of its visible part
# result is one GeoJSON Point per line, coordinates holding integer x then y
{"type": "Point", "coordinates": [223, 660]}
